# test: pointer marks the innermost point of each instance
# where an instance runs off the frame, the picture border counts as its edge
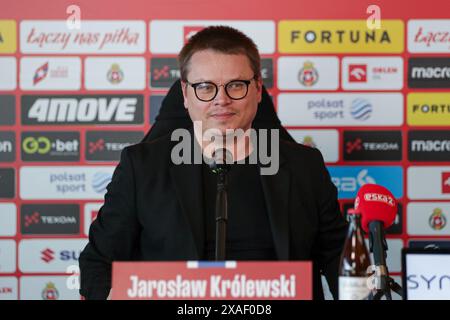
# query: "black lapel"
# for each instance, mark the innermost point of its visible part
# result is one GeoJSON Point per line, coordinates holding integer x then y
{"type": "Point", "coordinates": [276, 194]}
{"type": "Point", "coordinates": [187, 180]}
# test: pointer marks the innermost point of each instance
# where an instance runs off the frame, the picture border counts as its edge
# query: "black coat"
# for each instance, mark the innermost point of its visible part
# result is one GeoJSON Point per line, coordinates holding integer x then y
{"type": "Point", "coordinates": [153, 208]}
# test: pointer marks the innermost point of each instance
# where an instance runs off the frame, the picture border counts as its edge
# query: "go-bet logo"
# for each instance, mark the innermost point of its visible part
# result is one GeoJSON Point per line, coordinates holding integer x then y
{"type": "Point", "coordinates": [50, 146]}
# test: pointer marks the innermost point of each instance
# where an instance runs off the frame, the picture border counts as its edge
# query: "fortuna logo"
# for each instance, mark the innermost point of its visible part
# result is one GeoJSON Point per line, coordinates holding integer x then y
{"type": "Point", "coordinates": [115, 74]}
{"type": "Point", "coordinates": [357, 73]}
{"type": "Point", "coordinates": [377, 197]}
{"type": "Point", "coordinates": [437, 219]}
{"type": "Point", "coordinates": [83, 110]}
{"type": "Point", "coordinates": [161, 73]}
{"type": "Point", "coordinates": [32, 219]}
{"type": "Point", "coordinates": [341, 36]}
{"type": "Point", "coordinates": [40, 74]}
{"type": "Point", "coordinates": [353, 145]}
{"type": "Point", "coordinates": [98, 145]}
{"type": "Point", "coordinates": [308, 75]}
{"type": "Point", "coordinates": [47, 255]}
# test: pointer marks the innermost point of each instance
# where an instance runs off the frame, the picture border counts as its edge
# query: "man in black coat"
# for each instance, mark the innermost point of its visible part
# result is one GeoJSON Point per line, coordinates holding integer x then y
{"type": "Point", "coordinates": [158, 209]}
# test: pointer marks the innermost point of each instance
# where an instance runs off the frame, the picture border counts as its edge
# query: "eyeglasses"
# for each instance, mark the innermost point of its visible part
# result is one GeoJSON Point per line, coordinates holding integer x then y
{"type": "Point", "coordinates": [206, 91]}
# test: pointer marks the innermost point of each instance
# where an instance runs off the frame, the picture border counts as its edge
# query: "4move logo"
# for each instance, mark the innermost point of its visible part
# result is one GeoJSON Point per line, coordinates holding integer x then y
{"type": "Point", "coordinates": [82, 110]}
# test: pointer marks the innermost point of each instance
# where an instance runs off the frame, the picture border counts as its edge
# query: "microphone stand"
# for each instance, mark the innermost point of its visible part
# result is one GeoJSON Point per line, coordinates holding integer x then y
{"type": "Point", "coordinates": [221, 169]}
{"type": "Point", "coordinates": [378, 246]}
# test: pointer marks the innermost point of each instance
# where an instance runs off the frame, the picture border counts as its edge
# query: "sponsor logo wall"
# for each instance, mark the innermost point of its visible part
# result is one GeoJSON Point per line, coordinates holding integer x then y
{"type": "Point", "coordinates": [376, 103]}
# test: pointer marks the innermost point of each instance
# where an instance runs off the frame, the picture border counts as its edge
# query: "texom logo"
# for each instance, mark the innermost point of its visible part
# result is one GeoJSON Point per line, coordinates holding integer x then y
{"type": "Point", "coordinates": [164, 72]}
{"type": "Point", "coordinates": [32, 219]}
{"type": "Point", "coordinates": [357, 73]}
{"type": "Point", "coordinates": [98, 145]}
{"type": "Point", "coordinates": [47, 255]}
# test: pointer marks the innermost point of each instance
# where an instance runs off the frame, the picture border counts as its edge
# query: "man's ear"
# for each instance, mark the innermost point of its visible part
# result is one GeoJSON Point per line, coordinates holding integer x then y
{"type": "Point", "coordinates": [184, 90]}
{"type": "Point", "coordinates": [259, 85]}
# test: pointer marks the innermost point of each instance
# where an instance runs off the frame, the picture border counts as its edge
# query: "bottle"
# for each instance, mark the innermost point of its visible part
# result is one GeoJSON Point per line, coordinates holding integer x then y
{"type": "Point", "coordinates": [355, 261]}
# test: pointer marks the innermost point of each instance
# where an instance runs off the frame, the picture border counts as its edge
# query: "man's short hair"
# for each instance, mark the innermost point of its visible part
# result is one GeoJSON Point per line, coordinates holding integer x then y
{"type": "Point", "coordinates": [222, 39]}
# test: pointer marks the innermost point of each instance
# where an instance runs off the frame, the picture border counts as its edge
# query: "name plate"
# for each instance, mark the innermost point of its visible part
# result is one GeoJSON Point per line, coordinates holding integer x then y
{"type": "Point", "coordinates": [229, 280]}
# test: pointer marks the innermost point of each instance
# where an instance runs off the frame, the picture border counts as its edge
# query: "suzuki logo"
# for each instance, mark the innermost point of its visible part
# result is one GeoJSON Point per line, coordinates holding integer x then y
{"type": "Point", "coordinates": [32, 219]}
{"type": "Point", "coordinates": [47, 255]}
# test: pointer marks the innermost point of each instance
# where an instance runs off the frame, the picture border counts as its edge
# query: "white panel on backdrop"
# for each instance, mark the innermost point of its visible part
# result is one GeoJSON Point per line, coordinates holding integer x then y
{"type": "Point", "coordinates": [7, 256]}
{"type": "Point", "coordinates": [47, 288]}
{"type": "Point", "coordinates": [8, 74]}
{"type": "Point", "coordinates": [429, 36]}
{"type": "Point", "coordinates": [95, 37]}
{"type": "Point", "coordinates": [308, 73]}
{"type": "Point", "coordinates": [8, 288]}
{"type": "Point", "coordinates": [8, 218]}
{"type": "Point", "coordinates": [340, 109]}
{"type": "Point", "coordinates": [262, 32]}
{"type": "Point", "coordinates": [437, 184]}
{"type": "Point", "coordinates": [428, 218]}
{"type": "Point", "coordinates": [394, 254]}
{"type": "Point", "coordinates": [71, 182]}
{"type": "Point", "coordinates": [46, 73]}
{"type": "Point", "coordinates": [327, 141]}
{"type": "Point", "coordinates": [117, 73]}
{"type": "Point", "coordinates": [372, 73]}
{"type": "Point", "coordinates": [90, 214]}
{"type": "Point", "coordinates": [49, 255]}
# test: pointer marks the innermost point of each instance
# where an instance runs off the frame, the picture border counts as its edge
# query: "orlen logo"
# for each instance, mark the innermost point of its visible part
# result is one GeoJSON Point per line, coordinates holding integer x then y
{"type": "Point", "coordinates": [189, 31]}
{"type": "Point", "coordinates": [47, 255]}
{"type": "Point", "coordinates": [445, 182]}
{"type": "Point", "coordinates": [357, 73]}
{"type": "Point", "coordinates": [376, 197]}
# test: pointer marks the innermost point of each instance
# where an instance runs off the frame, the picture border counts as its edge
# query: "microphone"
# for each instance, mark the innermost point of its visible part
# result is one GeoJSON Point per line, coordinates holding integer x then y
{"type": "Point", "coordinates": [376, 204]}
{"type": "Point", "coordinates": [221, 159]}
{"type": "Point", "coordinates": [378, 209]}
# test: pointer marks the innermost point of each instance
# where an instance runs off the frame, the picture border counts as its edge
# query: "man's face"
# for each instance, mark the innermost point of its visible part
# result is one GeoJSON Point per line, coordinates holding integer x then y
{"type": "Point", "coordinates": [222, 112]}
